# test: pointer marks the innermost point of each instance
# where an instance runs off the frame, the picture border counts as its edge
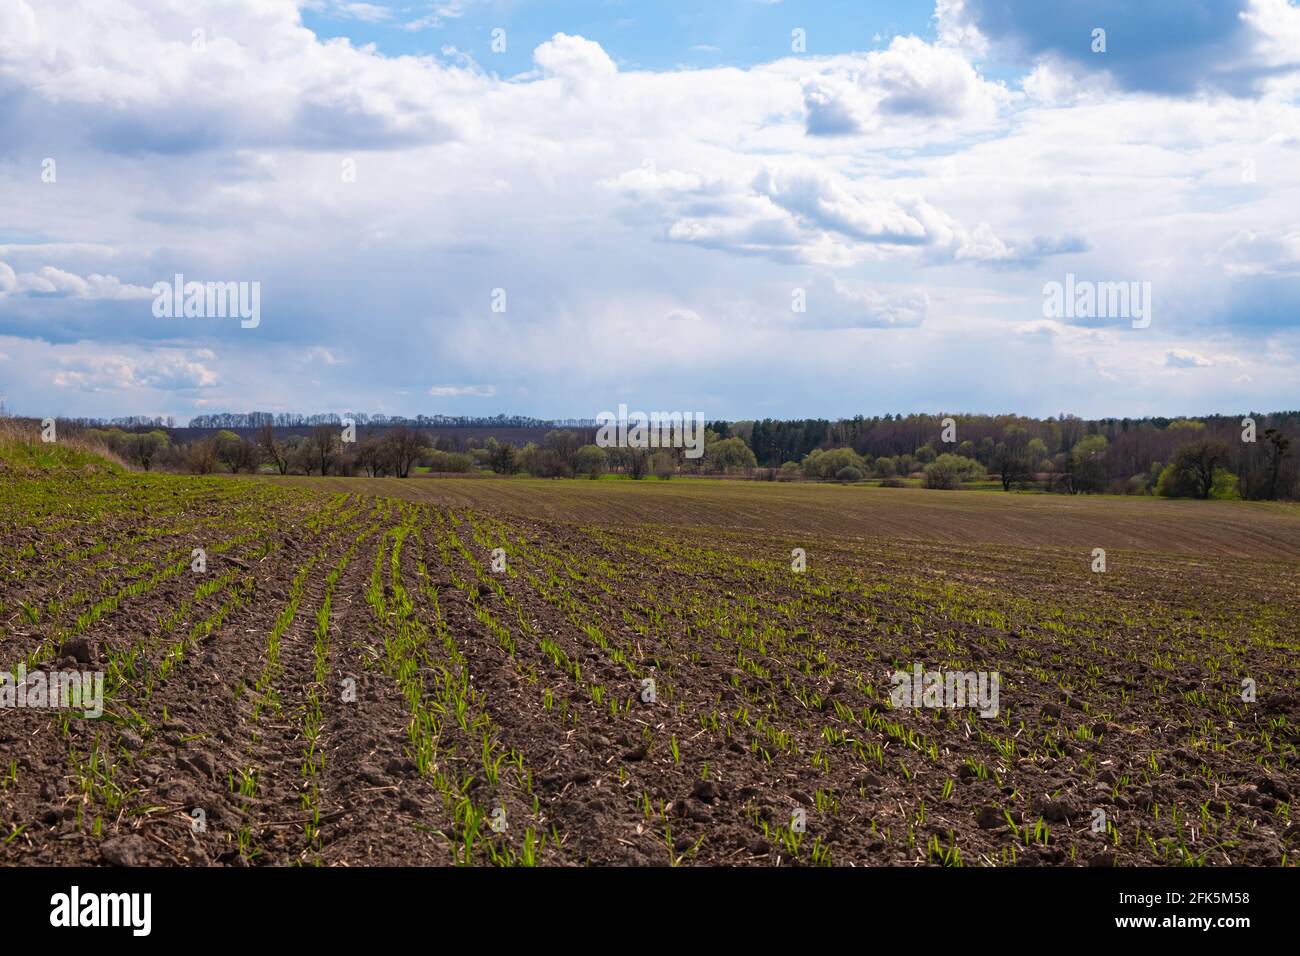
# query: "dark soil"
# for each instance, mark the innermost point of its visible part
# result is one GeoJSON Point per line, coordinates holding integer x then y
{"type": "Point", "coordinates": [769, 739]}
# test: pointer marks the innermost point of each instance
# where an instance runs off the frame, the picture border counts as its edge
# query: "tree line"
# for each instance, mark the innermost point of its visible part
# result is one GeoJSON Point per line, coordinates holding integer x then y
{"type": "Point", "coordinates": [1216, 456]}
{"type": "Point", "coordinates": [1248, 456]}
{"type": "Point", "coordinates": [246, 421]}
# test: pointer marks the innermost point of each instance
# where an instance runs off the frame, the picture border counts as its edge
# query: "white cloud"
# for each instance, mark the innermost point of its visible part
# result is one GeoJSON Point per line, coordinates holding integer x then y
{"type": "Point", "coordinates": [131, 75]}
{"type": "Point", "coordinates": [1066, 333]}
{"type": "Point", "coordinates": [1053, 83]}
{"type": "Point", "coordinates": [439, 14]}
{"type": "Point", "coordinates": [1252, 254]}
{"type": "Point", "coordinates": [581, 64]}
{"type": "Point", "coordinates": [1277, 49]}
{"type": "Point", "coordinates": [318, 353]}
{"type": "Point", "coordinates": [162, 369]}
{"type": "Point", "coordinates": [647, 181]}
{"type": "Point", "coordinates": [1182, 358]}
{"type": "Point", "coordinates": [364, 12]}
{"type": "Point", "coordinates": [49, 280]}
{"type": "Point", "coordinates": [824, 202]}
{"type": "Point", "coordinates": [955, 30]}
{"type": "Point", "coordinates": [801, 212]}
{"type": "Point", "coordinates": [833, 304]}
{"type": "Point", "coordinates": [1186, 358]}
{"type": "Point", "coordinates": [454, 391]}
{"type": "Point", "coordinates": [911, 84]}
{"type": "Point", "coordinates": [620, 203]}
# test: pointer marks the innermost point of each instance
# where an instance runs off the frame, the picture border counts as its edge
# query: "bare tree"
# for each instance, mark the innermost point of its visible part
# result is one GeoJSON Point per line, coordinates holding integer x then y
{"type": "Point", "coordinates": [1278, 446]}
{"type": "Point", "coordinates": [201, 457]}
{"type": "Point", "coordinates": [323, 446]}
{"type": "Point", "coordinates": [638, 462]}
{"type": "Point", "coordinates": [1012, 466]}
{"type": "Point", "coordinates": [371, 455]}
{"type": "Point", "coordinates": [274, 451]}
{"type": "Point", "coordinates": [402, 448]}
{"type": "Point", "coordinates": [664, 464]}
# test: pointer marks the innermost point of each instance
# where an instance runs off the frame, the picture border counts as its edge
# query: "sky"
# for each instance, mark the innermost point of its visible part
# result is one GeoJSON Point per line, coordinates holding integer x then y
{"type": "Point", "coordinates": [744, 208]}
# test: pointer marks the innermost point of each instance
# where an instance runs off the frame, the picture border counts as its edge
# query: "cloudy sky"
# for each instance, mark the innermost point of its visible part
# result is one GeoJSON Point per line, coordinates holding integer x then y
{"type": "Point", "coordinates": [550, 208]}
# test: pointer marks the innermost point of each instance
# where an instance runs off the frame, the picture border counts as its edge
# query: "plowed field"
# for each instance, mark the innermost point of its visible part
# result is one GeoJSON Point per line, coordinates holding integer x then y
{"type": "Point", "coordinates": [516, 672]}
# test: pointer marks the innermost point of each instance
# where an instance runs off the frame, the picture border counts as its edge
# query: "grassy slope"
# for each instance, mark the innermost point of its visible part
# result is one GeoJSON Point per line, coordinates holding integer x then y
{"type": "Point", "coordinates": [24, 454]}
{"type": "Point", "coordinates": [1210, 528]}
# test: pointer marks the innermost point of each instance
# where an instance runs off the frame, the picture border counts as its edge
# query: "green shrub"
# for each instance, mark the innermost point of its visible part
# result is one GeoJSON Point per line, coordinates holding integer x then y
{"type": "Point", "coordinates": [729, 455]}
{"type": "Point", "coordinates": [948, 471]}
{"type": "Point", "coordinates": [1225, 486]}
{"type": "Point", "coordinates": [591, 460]}
{"type": "Point", "coordinates": [827, 462]}
{"type": "Point", "coordinates": [1137, 485]}
{"type": "Point", "coordinates": [449, 461]}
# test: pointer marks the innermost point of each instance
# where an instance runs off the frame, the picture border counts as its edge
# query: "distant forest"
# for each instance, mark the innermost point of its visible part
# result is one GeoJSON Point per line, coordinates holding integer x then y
{"type": "Point", "coordinates": [1253, 455]}
{"type": "Point", "coordinates": [239, 421]}
{"type": "Point", "coordinates": [1082, 455]}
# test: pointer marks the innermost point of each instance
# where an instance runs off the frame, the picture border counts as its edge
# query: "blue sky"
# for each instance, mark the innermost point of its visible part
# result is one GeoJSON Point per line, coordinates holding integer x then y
{"type": "Point", "coordinates": [647, 35]}
{"type": "Point", "coordinates": [649, 204]}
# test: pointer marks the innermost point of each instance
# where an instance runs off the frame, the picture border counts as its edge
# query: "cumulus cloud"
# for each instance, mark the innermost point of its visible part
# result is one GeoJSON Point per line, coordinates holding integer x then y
{"type": "Point", "coordinates": [1057, 83]}
{"type": "Point", "coordinates": [747, 227]}
{"type": "Point", "coordinates": [647, 181]}
{"type": "Point", "coordinates": [614, 201]}
{"type": "Point", "coordinates": [580, 64]}
{"type": "Point", "coordinates": [52, 281]}
{"type": "Point", "coordinates": [798, 212]}
{"type": "Point", "coordinates": [163, 369]}
{"type": "Point", "coordinates": [1252, 254]}
{"type": "Point", "coordinates": [1028, 253]}
{"type": "Point", "coordinates": [827, 203]}
{"type": "Point", "coordinates": [1160, 46]}
{"type": "Point", "coordinates": [140, 79]}
{"type": "Point", "coordinates": [911, 83]}
{"type": "Point", "coordinates": [956, 30]}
